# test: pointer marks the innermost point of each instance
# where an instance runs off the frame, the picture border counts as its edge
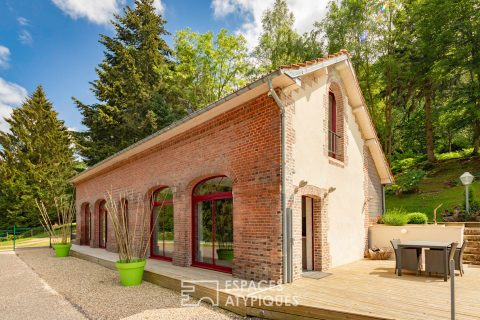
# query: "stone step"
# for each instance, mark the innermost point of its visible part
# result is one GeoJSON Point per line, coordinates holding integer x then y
{"type": "Point", "coordinates": [475, 251]}
{"type": "Point", "coordinates": [472, 238]}
{"type": "Point", "coordinates": [471, 257]}
{"type": "Point", "coordinates": [472, 231]}
{"type": "Point", "coordinates": [472, 262]}
{"type": "Point", "coordinates": [473, 244]}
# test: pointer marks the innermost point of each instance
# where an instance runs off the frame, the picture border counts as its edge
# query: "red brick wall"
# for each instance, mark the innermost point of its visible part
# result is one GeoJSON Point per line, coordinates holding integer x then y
{"type": "Point", "coordinates": [243, 144]}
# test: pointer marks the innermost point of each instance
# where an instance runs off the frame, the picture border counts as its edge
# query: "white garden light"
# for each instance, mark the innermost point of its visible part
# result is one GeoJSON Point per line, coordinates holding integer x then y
{"type": "Point", "coordinates": [466, 179]}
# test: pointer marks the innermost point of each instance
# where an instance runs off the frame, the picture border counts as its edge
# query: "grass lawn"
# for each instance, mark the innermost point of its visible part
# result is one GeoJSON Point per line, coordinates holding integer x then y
{"type": "Point", "coordinates": [18, 241]}
{"type": "Point", "coordinates": [441, 185]}
{"type": "Point", "coordinates": [38, 239]}
{"type": "Point", "coordinates": [24, 243]}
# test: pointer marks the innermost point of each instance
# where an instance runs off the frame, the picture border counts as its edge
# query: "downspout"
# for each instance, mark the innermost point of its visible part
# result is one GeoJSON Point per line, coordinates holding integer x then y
{"type": "Point", "coordinates": [383, 199]}
{"type": "Point", "coordinates": [285, 236]}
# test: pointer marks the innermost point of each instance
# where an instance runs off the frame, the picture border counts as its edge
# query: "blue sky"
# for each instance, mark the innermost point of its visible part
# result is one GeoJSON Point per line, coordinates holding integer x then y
{"type": "Point", "coordinates": [55, 42]}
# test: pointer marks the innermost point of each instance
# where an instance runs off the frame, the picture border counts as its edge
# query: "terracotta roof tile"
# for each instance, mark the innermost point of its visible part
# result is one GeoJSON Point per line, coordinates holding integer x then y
{"type": "Point", "coordinates": [314, 61]}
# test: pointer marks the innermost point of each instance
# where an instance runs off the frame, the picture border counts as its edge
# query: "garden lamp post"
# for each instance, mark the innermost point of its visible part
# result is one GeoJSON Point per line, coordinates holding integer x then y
{"type": "Point", "coordinates": [466, 179]}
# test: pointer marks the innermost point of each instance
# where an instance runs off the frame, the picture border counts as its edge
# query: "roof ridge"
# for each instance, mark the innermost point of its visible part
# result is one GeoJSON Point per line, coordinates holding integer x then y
{"type": "Point", "coordinates": [314, 61]}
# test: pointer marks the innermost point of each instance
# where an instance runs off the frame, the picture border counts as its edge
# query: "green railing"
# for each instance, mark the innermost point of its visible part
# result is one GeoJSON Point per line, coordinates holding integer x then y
{"type": "Point", "coordinates": [22, 237]}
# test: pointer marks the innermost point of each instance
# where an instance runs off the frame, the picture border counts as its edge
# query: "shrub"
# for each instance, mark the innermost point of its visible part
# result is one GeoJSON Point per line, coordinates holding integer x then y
{"type": "Point", "coordinates": [395, 217]}
{"type": "Point", "coordinates": [404, 164]}
{"type": "Point", "coordinates": [407, 182]}
{"type": "Point", "coordinates": [417, 218]}
{"type": "Point", "coordinates": [454, 154]}
{"type": "Point", "coordinates": [473, 202]}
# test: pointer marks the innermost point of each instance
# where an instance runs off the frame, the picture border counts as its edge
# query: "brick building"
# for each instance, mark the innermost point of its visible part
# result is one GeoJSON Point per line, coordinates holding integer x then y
{"type": "Point", "coordinates": [279, 177]}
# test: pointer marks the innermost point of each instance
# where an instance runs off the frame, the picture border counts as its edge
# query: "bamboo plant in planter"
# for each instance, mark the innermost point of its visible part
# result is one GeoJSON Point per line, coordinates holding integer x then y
{"type": "Point", "coordinates": [132, 237]}
{"type": "Point", "coordinates": [61, 241]}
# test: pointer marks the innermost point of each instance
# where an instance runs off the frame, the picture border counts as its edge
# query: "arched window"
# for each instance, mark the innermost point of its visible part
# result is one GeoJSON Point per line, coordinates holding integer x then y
{"type": "Point", "coordinates": [213, 224]}
{"type": "Point", "coordinates": [102, 224]}
{"type": "Point", "coordinates": [162, 241]}
{"type": "Point", "coordinates": [332, 126]}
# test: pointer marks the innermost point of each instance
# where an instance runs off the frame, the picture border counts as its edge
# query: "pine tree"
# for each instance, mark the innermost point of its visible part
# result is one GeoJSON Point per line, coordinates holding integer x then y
{"type": "Point", "coordinates": [131, 74]}
{"type": "Point", "coordinates": [36, 160]}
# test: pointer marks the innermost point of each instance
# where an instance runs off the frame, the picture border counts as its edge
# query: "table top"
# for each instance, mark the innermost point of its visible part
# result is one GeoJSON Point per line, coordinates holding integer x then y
{"type": "Point", "coordinates": [425, 244]}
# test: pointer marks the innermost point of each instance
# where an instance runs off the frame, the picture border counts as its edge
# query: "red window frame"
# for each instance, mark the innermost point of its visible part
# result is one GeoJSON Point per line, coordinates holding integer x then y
{"type": "Point", "coordinates": [102, 213]}
{"type": "Point", "coordinates": [332, 125]}
{"type": "Point", "coordinates": [210, 197]}
{"type": "Point", "coordinates": [156, 204]}
{"type": "Point", "coordinates": [90, 231]}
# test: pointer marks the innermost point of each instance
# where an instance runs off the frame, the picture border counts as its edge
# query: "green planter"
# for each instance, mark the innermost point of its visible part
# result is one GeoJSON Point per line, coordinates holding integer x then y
{"type": "Point", "coordinates": [131, 273]}
{"type": "Point", "coordinates": [62, 250]}
{"type": "Point", "coordinates": [225, 254]}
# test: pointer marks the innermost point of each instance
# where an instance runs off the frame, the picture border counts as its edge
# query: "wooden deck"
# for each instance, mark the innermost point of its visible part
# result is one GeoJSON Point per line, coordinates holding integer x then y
{"type": "Point", "coordinates": [361, 290]}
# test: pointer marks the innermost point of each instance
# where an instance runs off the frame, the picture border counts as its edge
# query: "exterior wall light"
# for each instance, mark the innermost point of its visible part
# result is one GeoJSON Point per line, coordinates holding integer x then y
{"type": "Point", "coordinates": [467, 179]}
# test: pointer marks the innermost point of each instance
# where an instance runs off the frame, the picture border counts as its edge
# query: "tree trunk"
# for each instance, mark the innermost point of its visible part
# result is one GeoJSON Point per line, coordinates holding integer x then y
{"type": "Point", "coordinates": [429, 124]}
{"type": "Point", "coordinates": [476, 137]}
{"type": "Point", "coordinates": [388, 129]}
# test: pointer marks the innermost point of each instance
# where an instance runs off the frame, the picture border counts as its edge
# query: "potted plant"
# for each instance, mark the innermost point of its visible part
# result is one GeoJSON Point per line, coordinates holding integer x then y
{"type": "Point", "coordinates": [60, 236]}
{"type": "Point", "coordinates": [132, 237]}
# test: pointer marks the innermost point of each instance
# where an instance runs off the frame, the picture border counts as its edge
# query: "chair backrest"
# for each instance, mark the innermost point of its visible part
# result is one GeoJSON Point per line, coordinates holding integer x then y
{"type": "Point", "coordinates": [462, 249]}
{"type": "Point", "coordinates": [453, 248]}
{"type": "Point", "coordinates": [395, 243]}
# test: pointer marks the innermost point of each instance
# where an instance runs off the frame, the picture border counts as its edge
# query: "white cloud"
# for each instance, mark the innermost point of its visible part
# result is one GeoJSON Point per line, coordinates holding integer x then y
{"type": "Point", "coordinates": [306, 12]}
{"type": "Point", "coordinates": [96, 11]}
{"type": "Point", "coordinates": [23, 21]}
{"type": "Point", "coordinates": [25, 37]}
{"type": "Point", "coordinates": [4, 57]}
{"type": "Point", "coordinates": [11, 95]}
{"type": "Point", "coordinates": [160, 8]}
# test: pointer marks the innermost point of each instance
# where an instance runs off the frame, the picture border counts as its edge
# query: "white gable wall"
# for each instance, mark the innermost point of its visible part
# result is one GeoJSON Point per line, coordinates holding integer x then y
{"type": "Point", "coordinates": [345, 214]}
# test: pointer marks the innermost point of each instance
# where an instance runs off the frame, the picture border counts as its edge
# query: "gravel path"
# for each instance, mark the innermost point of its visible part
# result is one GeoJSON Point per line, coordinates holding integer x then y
{"type": "Point", "coordinates": [95, 291]}
{"type": "Point", "coordinates": [24, 295]}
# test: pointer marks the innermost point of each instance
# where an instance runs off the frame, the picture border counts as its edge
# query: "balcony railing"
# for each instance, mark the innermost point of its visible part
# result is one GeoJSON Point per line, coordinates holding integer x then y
{"type": "Point", "coordinates": [333, 138]}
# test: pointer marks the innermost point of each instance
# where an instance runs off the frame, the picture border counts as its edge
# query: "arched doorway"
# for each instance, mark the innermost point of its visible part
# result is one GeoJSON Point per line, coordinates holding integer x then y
{"type": "Point", "coordinates": [102, 224]}
{"type": "Point", "coordinates": [213, 224]}
{"type": "Point", "coordinates": [162, 240]}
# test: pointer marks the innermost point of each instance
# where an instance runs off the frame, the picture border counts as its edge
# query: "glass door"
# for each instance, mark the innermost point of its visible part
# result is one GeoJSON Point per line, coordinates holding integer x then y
{"type": "Point", "coordinates": [213, 224]}
{"type": "Point", "coordinates": [102, 225]}
{"type": "Point", "coordinates": [88, 225]}
{"type": "Point", "coordinates": [162, 241]}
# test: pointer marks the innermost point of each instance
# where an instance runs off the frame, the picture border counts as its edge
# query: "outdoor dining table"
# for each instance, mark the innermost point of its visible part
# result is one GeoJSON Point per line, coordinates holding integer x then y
{"type": "Point", "coordinates": [442, 245]}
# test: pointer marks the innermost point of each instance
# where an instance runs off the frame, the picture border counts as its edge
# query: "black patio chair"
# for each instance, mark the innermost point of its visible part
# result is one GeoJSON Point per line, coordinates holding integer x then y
{"type": "Point", "coordinates": [458, 257]}
{"type": "Point", "coordinates": [435, 260]}
{"type": "Point", "coordinates": [410, 257]}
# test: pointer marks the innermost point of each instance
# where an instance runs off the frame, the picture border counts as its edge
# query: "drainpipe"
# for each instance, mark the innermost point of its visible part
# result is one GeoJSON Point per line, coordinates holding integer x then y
{"type": "Point", "coordinates": [383, 199]}
{"type": "Point", "coordinates": [285, 235]}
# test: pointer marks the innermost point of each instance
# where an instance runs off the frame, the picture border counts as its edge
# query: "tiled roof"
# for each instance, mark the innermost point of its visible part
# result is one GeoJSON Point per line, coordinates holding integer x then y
{"type": "Point", "coordinates": [314, 61]}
